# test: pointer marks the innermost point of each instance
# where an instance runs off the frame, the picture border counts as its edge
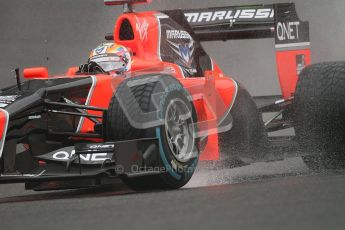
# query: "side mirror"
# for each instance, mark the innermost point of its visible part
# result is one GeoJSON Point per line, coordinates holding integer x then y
{"type": "Point", "coordinates": [72, 71]}
{"type": "Point", "coordinates": [37, 72]}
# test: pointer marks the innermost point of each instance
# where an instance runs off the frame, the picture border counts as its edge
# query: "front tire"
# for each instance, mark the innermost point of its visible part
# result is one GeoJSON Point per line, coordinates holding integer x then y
{"type": "Point", "coordinates": [178, 154]}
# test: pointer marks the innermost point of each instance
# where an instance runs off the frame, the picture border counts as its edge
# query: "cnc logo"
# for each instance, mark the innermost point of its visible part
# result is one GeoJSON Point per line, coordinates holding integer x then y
{"type": "Point", "coordinates": [288, 31]}
{"type": "Point", "coordinates": [230, 15]}
{"type": "Point", "coordinates": [66, 153]}
{"type": "Point", "coordinates": [184, 50]}
{"type": "Point", "coordinates": [142, 28]}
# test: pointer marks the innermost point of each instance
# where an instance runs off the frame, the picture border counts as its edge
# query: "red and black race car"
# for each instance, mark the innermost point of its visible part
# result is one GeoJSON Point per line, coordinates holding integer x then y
{"type": "Point", "coordinates": [169, 107]}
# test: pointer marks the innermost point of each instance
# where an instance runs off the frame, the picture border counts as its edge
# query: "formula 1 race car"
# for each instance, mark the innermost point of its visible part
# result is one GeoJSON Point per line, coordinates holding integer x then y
{"type": "Point", "coordinates": [167, 106]}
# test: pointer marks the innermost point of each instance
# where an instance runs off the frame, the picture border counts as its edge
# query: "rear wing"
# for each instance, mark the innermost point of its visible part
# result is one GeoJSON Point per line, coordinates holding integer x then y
{"type": "Point", "coordinates": [279, 21]}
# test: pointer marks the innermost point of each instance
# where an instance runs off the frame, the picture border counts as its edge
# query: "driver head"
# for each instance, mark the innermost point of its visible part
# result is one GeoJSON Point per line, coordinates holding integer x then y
{"type": "Point", "coordinates": [112, 57]}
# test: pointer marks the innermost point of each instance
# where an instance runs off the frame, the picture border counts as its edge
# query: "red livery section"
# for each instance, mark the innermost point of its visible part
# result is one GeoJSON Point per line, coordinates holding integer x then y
{"type": "Point", "coordinates": [3, 120]}
{"type": "Point", "coordinates": [3, 128]}
{"type": "Point", "coordinates": [290, 63]}
{"type": "Point", "coordinates": [37, 72]}
{"type": "Point", "coordinates": [102, 89]}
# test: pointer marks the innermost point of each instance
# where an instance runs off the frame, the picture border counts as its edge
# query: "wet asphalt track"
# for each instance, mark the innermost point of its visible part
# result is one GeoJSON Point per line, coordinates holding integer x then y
{"type": "Point", "coordinates": [281, 195]}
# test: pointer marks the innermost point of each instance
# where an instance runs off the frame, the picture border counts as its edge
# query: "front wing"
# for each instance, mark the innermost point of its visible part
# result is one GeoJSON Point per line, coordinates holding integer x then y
{"type": "Point", "coordinates": [132, 158]}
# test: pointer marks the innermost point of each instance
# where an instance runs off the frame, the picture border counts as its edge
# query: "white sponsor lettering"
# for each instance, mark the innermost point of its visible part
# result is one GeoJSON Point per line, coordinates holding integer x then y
{"type": "Point", "coordinates": [85, 157]}
{"type": "Point", "coordinates": [178, 34]}
{"type": "Point", "coordinates": [205, 16]}
{"type": "Point", "coordinates": [65, 156]}
{"type": "Point", "coordinates": [101, 146]}
{"type": "Point", "coordinates": [288, 30]}
{"type": "Point", "coordinates": [264, 13]}
{"type": "Point", "coordinates": [229, 15]}
{"type": "Point", "coordinates": [35, 117]}
{"type": "Point", "coordinates": [8, 99]}
{"type": "Point", "coordinates": [192, 17]}
{"type": "Point", "coordinates": [221, 15]}
{"type": "Point", "coordinates": [99, 157]}
{"type": "Point", "coordinates": [62, 156]}
{"type": "Point", "coordinates": [248, 14]}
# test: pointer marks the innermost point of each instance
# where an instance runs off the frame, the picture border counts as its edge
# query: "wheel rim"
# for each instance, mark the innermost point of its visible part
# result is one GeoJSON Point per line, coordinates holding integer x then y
{"type": "Point", "coordinates": [179, 129]}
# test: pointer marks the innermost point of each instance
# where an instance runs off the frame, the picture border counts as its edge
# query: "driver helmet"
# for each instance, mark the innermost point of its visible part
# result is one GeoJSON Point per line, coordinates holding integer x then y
{"type": "Point", "coordinates": [112, 57]}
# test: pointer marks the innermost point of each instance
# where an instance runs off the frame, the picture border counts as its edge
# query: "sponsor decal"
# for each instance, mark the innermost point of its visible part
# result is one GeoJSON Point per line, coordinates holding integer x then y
{"type": "Point", "coordinates": [8, 99]}
{"type": "Point", "coordinates": [229, 15]}
{"type": "Point", "coordinates": [178, 34]}
{"type": "Point", "coordinates": [182, 44]}
{"type": "Point", "coordinates": [65, 154]}
{"type": "Point", "coordinates": [3, 105]}
{"type": "Point", "coordinates": [100, 50]}
{"type": "Point", "coordinates": [288, 31]}
{"type": "Point", "coordinates": [185, 50]}
{"type": "Point", "coordinates": [102, 146]}
{"type": "Point", "coordinates": [142, 28]}
{"type": "Point", "coordinates": [34, 117]}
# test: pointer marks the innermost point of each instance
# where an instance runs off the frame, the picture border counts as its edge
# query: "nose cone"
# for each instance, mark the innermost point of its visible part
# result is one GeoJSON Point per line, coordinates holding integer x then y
{"type": "Point", "coordinates": [3, 128]}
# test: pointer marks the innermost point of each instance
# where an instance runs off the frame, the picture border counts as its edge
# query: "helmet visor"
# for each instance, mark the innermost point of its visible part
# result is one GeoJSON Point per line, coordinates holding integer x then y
{"type": "Point", "coordinates": [109, 64]}
{"type": "Point", "coordinates": [112, 66]}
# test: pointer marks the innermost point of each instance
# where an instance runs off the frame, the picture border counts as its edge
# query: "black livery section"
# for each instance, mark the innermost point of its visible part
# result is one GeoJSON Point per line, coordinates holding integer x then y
{"type": "Point", "coordinates": [179, 44]}
{"type": "Point", "coordinates": [34, 124]}
{"type": "Point", "coordinates": [44, 148]}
